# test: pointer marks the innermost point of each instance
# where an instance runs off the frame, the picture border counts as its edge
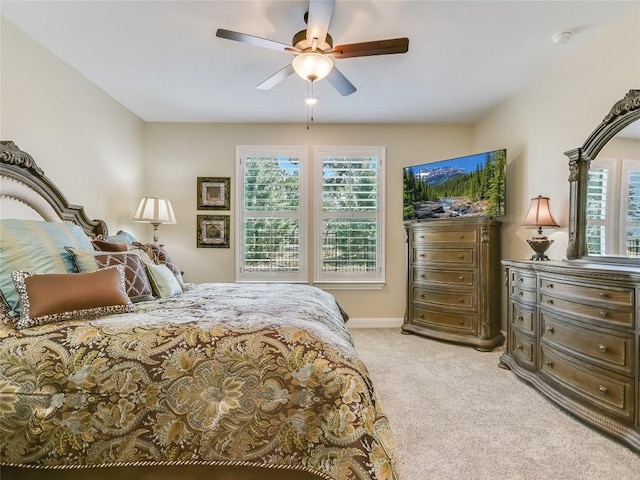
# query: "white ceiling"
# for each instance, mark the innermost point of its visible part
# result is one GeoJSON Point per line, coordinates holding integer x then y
{"type": "Point", "coordinates": [162, 60]}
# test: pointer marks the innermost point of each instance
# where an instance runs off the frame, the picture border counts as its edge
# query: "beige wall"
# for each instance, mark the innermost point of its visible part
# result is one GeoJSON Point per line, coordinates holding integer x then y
{"type": "Point", "coordinates": [178, 153]}
{"type": "Point", "coordinates": [86, 142]}
{"type": "Point", "coordinates": [106, 158]}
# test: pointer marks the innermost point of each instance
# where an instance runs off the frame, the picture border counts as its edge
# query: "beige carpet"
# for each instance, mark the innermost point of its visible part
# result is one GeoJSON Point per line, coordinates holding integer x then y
{"type": "Point", "coordinates": [457, 415]}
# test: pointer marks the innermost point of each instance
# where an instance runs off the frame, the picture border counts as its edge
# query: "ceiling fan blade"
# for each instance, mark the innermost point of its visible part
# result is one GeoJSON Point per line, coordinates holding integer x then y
{"type": "Point", "coordinates": [252, 40]}
{"type": "Point", "coordinates": [379, 47]}
{"type": "Point", "coordinates": [340, 82]}
{"type": "Point", "coordinates": [276, 78]}
{"type": "Point", "coordinates": [318, 20]}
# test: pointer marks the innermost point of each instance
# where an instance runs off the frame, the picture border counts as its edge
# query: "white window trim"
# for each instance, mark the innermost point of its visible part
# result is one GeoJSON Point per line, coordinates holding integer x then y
{"type": "Point", "coordinates": [243, 151]}
{"type": "Point", "coordinates": [358, 282]}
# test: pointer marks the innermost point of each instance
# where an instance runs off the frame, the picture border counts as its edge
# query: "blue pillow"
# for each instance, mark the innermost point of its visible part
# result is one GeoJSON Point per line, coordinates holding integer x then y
{"type": "Point", "coordinates": [38, 247]}
{"type": "Point", "coordinates": [120, 237]}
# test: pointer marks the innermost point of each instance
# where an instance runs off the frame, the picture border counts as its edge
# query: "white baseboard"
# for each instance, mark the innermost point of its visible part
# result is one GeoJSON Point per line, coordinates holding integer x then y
{"type": "Point", "coordinates": [375, 322]}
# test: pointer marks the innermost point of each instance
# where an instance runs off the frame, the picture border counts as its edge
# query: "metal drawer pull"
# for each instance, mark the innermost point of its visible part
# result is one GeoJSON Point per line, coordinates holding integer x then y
{"type": "Point", "coordinates": [461, 236]}
{"type": "Point", "coordinates": [461, 322]}
{"type": "Point", "coordinates": [421, 236]}
{"type": "Point", "coordinates": [519, 347]}
{"type": "Point", "coordinates": [519, 318]}
{"type": "Point", "coordinates": [548, 363]}
{"type": "Point", "coordinates": [461, 256]}
{"type": "Point", "coordinates": [461, 300]}
{"type": "Point", "coordinates": [549, 285]}
{"type": "Point", "coordinates": [520, 293]}
{"type": "Point", "coordinates": [602, 389]}
{"type": "Point", "coordinates": [521, 279]}
{"type": "Point", "coordinates": [421, 255]}
{"type": "Point", "coordinates": [602, 294]}
{"type": "Point", "coordinates": [421, 315]}
{"type": "Point", "coordinates": [602, 314]}
{"type": "Point", "coordinates": [548, 329]}
{"type": "Point", "coordinates": [602, 348]}
{"type": "Point", "coordinates": [461, 278]}
{"type": "Point", "coordinates": [422, 275]}
{"type": "Point", "coordinates": [550, 302]}
{"type": "Point", "coordinates": [421, 295]}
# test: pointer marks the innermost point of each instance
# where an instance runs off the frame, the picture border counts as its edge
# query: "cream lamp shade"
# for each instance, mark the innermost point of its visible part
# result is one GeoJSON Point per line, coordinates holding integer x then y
{"type": "Point", "coordinates": [538, 216]}
{"type": "Point", "coordinates": [312, 66]}
{"type": "Point", "coordinates": [156, 211]}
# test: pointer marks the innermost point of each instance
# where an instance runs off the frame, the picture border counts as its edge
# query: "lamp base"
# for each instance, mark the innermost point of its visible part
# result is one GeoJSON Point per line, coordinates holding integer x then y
{"type": "Point", "coordinates": [155, 232]}
{"type": "Point", "coordinates": [539, 245]}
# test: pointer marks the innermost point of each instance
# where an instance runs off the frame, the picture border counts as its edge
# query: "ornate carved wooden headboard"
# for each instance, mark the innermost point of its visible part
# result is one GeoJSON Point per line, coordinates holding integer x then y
{"type": "Point", "coordinates": [26, 192]}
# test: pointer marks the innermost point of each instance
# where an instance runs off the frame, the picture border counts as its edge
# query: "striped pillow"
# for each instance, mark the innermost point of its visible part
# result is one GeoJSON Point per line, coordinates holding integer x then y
{"type": "Point", "coordinates": [37, 247]}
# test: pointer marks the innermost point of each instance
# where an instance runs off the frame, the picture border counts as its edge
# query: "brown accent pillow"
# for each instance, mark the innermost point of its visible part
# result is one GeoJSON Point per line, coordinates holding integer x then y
{"type": "Point", "coordinates": [104, 246]}
{"type": "Point", "coordinates": [48, 298]}
{"type": "Point", "coordinates": [137, 283]}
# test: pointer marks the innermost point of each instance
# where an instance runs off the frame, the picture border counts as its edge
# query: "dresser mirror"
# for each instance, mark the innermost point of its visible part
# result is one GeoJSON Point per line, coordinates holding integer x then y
{"type": "Point", "coordinates": [604, 189]}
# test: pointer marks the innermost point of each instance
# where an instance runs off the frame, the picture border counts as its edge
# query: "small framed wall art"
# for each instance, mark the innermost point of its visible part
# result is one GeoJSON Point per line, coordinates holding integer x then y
{"type": "Point", "coordinates": [214, 193]}
{"type": "Point", "coordinates": [212, 231]}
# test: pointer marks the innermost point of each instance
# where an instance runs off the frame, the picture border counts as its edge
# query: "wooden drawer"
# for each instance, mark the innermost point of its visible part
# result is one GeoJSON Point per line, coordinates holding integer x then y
{"type": "Point", "coordinates": [605, 349]}
{"type": "Point", "coordinates": [523, 317]}
{"type": "Point", "coordinates": [522, 348]}
{"type": "Point", "coordinates": [444, 277]}
{"type": "Point", "coordinates": [523, 280]}
{"type": "Point", "coordinates": [454, 321]}
{"type": "Point", "coordinates": [458, 256]}
{"type": "Point", "coordinates": [518, 293]}
{"type": "Point", "coordinates": [444, 236]}
{"type": "Point", "coordinates": [603, 315]}
{"type": "Point", "coordinates": [604, 296]}
{"type": "Point", "coordinates": [604, 390]}
{"type": "Point", "coordinates": [446, 298]}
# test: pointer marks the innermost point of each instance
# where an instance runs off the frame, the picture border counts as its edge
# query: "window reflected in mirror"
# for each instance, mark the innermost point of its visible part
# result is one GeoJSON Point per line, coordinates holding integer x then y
{"type": "Point", "coordinates": [613, 198]}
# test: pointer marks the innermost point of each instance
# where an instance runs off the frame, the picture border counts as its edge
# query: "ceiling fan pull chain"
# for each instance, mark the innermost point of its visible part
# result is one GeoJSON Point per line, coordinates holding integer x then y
{"type": "Point", "coordinates": [312, 96]}
{"type": "Point", "coordinates": [310, 104]}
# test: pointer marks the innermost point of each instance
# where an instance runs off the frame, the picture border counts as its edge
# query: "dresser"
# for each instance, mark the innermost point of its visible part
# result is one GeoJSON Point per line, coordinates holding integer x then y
{"type": "Point", "coordinates": [572, 333]}
{"type": "Point", "coordinates": [454, 281]}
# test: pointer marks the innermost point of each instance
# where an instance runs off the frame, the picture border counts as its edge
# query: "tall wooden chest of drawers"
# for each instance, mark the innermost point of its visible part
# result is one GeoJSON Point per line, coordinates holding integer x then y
{"type": "Point", "coordinates": [454, 280]}
{"type": "Point", "coordinates": [573, 333]}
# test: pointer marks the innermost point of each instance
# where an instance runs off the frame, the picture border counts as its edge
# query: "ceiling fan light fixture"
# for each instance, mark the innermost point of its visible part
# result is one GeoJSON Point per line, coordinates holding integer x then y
{"type": "Point", "coordinates": [312, 66]}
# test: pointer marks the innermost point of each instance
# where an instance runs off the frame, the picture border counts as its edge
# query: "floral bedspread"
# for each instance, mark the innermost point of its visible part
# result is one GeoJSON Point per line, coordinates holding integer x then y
{"type": "Point", "coordinates": [223, 374]}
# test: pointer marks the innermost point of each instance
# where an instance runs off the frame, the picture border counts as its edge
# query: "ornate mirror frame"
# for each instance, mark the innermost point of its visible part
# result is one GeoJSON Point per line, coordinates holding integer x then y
{"type": "Point", "coordinates": [623, 113]}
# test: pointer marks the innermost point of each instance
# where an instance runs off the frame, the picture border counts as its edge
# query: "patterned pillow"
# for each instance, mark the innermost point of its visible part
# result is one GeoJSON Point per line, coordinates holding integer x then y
{"type": "Point", "coordinates": [48, 298]}
{"type": "Point", "coordinates": [137, 283]}
{"type": "Point", "coordinates": [35, 246]}
{"type": "Point", "coordinates": [160, 256]}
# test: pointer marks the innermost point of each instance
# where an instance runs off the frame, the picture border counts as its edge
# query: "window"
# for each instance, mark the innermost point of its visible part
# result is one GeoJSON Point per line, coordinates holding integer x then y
{"type": "Point", "coordinates": [271, 233]}
{"type": "Point", "coordinates": [630, 208]}
{"type": "Point", "coordinates": [599, 201]}
{"type": "Point", "coordinates": [613, 205]}
{"type": "Point", "coordinates": [349, 215]}
{"type": "Point", "coordinates": [270, 230]}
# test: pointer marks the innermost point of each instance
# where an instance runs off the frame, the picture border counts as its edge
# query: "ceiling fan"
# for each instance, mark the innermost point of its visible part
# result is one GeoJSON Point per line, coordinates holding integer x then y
{"type": "Point", "coordinates": [313, 49]}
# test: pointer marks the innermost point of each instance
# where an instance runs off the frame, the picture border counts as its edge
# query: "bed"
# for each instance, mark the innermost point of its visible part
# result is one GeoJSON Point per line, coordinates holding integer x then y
{"type": "Point", "coordinates": [216, 381]}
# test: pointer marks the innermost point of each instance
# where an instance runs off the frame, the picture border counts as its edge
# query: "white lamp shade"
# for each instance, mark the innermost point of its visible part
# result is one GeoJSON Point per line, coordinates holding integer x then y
{"type": "Point", "coordinates": [155, 210]}
{"type": "Point", "coordinates": [312, 65]}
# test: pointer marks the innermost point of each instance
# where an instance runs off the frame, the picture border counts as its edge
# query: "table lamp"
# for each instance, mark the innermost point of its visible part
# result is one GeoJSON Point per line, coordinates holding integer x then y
{"type": "Point", "coordinates": [539, 216]}
{"type": "Point", "coordinates": [156, 211]}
